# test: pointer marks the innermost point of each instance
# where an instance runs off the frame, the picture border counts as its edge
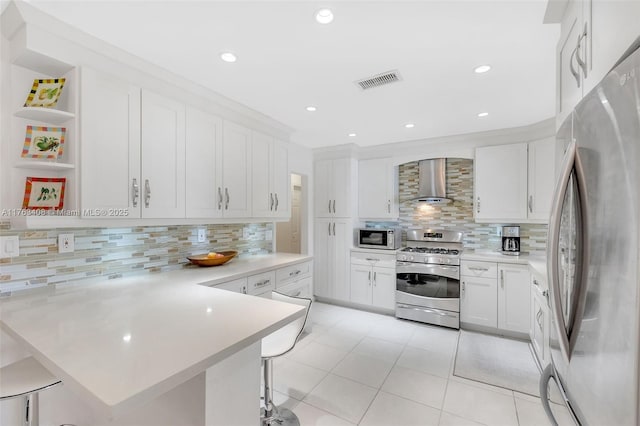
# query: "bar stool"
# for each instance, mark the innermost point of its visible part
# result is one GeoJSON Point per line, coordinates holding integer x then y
{"type": "Point", "coordinates": [26, 378]}
{"type": "Point", "coordinates": [274, 345]}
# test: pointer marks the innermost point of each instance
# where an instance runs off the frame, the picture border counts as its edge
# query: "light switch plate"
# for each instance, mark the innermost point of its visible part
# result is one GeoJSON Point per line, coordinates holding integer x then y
{"type": "Point", "coordinates": [202, 235]}
{"type": "Point", "coordinates": [9, 246]}
{"type": "Point", "coordinates": [66, 243]}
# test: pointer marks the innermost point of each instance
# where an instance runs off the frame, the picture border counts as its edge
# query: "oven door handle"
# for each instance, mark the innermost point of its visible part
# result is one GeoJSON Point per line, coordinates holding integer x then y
{"type": "Point", "coordinates": [452, 272]}
{"type": "Point", "coordinates": [428, 310]}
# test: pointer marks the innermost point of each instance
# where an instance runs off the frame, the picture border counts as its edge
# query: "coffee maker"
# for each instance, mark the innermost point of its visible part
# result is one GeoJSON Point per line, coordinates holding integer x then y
{"type": "Point", "coordinates": [511, 240]}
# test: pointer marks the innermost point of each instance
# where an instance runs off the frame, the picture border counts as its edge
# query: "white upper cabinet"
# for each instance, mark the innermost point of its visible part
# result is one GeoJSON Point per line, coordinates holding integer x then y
{"type": "Point", "coordinates": [377, 189]}
{"type": "Point", "coordinates": [515, 182]}
{"type": "Point", "coordinates": [541, 181]}
{"type": "Point", "coordinates": [270, 176]}
{"type": "Point", "coordinates": [203, 159]}
{"type": "Point", "coordinates": [594, 35]}
{"type": "Point", "coordinates": [333, 187]}
{"type": "Point", "coordinates": [501, 182]}
{"type": "Point", "coordinates": [234, 180]}
{"type": "Point", "coordinates": [163, 156]}
{"type": "Point", "coordinates": [110, 135]}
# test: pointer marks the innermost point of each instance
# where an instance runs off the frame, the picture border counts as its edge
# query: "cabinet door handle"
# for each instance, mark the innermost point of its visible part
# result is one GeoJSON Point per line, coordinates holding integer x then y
{"type": "Point", "coordinates": [147, 193]}
{"type": "Point", "coordinates": [502, 278]}
{"type": "Point", "coordinates": [334, 229]}
{"type": "Point", "coordinates": [135, 192]}
{"type": "Point", "coordinates": [226, 204]}
{"type": "Point", "coordinates": [375, 276]}
{"type": "Point", "coordinates": [530, 203]}
{"type": "Point", "coordinates": [244, 289]}
{"type": "Point", "coordinates": [329, 206]}
{"type": "Point", "coordinates": [535, 282]}
{"type": "Point", "coordinates": [582, 64]}
{"type": "Point", "coordinates": [574, 73]}
{"type": "Point", "coordinates": [219, 198]}
{"type": "Point", "coordinates": [271, 197]}
{"type": "Point", "coordinates": [478, 205]}
{"type": "Point", "coordinates": [463, 287]}
{"type": "Point", "coordinates": [334, 206]}
{"type": "Point", "coordinates": [277, 202]}
{"type": "Point", "coordinates": [388, 206]}
{"type": "Point", "coordinates": [369, 277]}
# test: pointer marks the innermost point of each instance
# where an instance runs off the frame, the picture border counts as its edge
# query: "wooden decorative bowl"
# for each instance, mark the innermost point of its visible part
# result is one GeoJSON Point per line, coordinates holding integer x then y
{"type": "Point", "coordinates": [205, 260]}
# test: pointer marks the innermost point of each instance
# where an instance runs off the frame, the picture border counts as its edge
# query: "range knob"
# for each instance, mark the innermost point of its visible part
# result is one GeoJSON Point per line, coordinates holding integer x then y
{"type": "Point", "coordinates": [403, 257]}
{"type": "Point", "coordinates": [410, 258]}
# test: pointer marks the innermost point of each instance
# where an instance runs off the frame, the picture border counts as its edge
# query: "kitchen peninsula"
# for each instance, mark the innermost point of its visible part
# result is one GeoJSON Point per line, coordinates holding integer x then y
{"type": "Point", "coordinates": [120, 344]}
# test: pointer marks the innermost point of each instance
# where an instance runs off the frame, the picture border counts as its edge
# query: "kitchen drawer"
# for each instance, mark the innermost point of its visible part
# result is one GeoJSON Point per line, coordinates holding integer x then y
{"type": "Point", "coordinates": [301, 288]}
{"type": "Point", "coordinates": [261, 283]}
{"type": "Point", "coordinates": [383, 260]}
{"type": "Point", "coordinates": [291, 273]}
{"type": "Point", "coordinates": [479, 269]}
{"type": "Point", "coordinates": [238, 286]}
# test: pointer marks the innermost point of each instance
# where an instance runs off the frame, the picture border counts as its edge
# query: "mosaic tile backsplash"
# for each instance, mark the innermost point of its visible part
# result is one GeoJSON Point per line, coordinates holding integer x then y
{"type": "Point", "coordinates": [114, 252]}
{"type": "Point", "coordinates": [459, 213]}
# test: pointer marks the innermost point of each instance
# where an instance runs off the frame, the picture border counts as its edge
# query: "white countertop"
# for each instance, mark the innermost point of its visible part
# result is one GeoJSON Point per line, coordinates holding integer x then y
{"type": "Point", "coordinates": [126, 341]}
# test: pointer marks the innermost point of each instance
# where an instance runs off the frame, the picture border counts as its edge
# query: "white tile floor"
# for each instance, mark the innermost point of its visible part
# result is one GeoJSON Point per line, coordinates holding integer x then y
{"type": "Point", "coordinates": [360, 368]}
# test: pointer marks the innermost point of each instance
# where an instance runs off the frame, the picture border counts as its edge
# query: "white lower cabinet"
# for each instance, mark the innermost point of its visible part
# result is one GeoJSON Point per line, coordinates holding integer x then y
{"type": "Point", "coordinates": [295, 280]}
{"type": "Point", "coordinates": [539, 331]}
{"type": "Point", "coordinates": [478, 294]}
{"type": "Point", "coordinates": [495, 295]}
{"type": "Point", "coordinates": [514, 298]}
{"type": "Point", "coordinates": [333, 239]}
{"type": "Point", "coordinates": [373, 280]}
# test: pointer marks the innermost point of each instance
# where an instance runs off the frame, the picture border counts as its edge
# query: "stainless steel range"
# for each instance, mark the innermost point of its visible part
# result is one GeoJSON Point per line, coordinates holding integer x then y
{"type": "Point", "coordinates": [428, 277]}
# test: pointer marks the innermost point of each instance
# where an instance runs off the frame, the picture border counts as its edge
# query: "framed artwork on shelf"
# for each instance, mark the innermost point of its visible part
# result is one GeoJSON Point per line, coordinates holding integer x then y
{"type": "Point", "coordinates": [45, 93]}
{"type": "Point", "coordinates": [43, 142]}
{"type": "Point", "coordinates": [44, 193]}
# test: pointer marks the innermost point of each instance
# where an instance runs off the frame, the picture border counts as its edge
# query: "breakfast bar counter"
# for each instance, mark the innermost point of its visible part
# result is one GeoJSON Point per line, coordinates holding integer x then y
{"type": "Point", "coordinates": [124, 342]}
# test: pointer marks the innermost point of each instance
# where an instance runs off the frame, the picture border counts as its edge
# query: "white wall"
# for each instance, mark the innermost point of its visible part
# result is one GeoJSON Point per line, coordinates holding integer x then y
{"type": "Point", "coordinates": [301, 163]}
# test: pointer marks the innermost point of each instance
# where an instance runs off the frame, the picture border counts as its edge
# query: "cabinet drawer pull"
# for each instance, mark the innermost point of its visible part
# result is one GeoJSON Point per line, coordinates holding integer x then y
{"type": "Point", "coordinates": [294, 273]}
{"type": "Point", "coordinates": [262, 283]}
{"type": "Point", "coordinates": [135, 192]}
{"type": "Point", "coordinates": [147, 193]}
{"type": "Point", "coordinates": [372, 259]}
{"type": "Point", "coordinates": [478, 268]}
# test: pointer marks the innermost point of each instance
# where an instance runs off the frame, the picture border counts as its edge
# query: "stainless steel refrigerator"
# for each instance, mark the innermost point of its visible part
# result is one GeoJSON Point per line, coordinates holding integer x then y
{"type": "Point", "coordinates": [593, 256]}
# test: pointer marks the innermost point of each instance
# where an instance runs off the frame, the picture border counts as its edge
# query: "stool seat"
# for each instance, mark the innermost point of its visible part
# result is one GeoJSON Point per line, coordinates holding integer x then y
{"type": "Point", "coordinates": [24, 377]}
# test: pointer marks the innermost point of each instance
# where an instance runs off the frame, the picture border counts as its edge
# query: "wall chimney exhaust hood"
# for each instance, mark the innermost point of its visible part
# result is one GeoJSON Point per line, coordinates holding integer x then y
{"type": "Point", "coordinates": [432, 180]}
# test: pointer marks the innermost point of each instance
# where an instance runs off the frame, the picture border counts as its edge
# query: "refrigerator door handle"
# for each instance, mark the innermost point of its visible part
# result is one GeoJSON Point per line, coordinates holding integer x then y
{"type": "Point", "coordinates": [545, 377]}
{"type": "Point", "coordinates": [568, 332]}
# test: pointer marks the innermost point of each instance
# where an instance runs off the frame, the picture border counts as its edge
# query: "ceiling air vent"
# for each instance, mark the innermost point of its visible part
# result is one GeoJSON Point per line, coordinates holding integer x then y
{"type": "Point", "coordinates": [379, 80]}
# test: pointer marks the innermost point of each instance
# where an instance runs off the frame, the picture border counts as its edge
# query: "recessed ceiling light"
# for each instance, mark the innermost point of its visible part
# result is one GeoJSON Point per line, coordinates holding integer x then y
{"type": "Point", "coordinates": [482, 69]}
{"type": "Point", "coordinates": [352, 135]}
{"type": "Point", "coordinates": [324, 16]}
{"type": "Point", "coordinates": [228, 57]}
{"type": "Point", "coordinates": [483, 114]}
{"type": "Point", "coordinates": [311, 108]}
{"type": "Point", "coordinates": [409, 125]}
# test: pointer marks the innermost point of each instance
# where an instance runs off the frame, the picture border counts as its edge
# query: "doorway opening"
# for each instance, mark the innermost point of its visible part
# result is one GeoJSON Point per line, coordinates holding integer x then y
{"type": "Point", "coordinates": [290, 236]}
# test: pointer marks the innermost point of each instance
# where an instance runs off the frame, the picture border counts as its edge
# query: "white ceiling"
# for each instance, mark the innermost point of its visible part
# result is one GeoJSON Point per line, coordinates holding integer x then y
{"type": "Point", "coordinates": [286, 60]}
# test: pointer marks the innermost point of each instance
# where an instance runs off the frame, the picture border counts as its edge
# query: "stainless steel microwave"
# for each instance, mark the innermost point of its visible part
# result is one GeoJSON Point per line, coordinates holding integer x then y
{"type": "Point", "coordinates": [386, 239]}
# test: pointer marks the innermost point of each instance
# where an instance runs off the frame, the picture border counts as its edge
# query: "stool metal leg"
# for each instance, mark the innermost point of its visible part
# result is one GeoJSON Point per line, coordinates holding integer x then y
{"type": "Point", "coordinates": [31, 417]}
{"type": "Point", "coordinates": [272, 415]}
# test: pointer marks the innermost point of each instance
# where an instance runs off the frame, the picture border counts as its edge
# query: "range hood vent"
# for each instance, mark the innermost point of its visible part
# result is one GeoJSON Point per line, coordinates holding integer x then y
{"type": "Point", "coordinates": [433, 181]}
{"type": "Point", "coordinates": [379, 80]}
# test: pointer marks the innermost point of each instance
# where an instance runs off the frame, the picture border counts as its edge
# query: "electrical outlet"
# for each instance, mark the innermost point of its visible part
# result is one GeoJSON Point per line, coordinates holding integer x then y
{"type": "Point", "coordinates": [66, 243]}
{"type": "Point", "coordinates": [202, 235]}
{"type": "Point", "coordinates": [9, 246]}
